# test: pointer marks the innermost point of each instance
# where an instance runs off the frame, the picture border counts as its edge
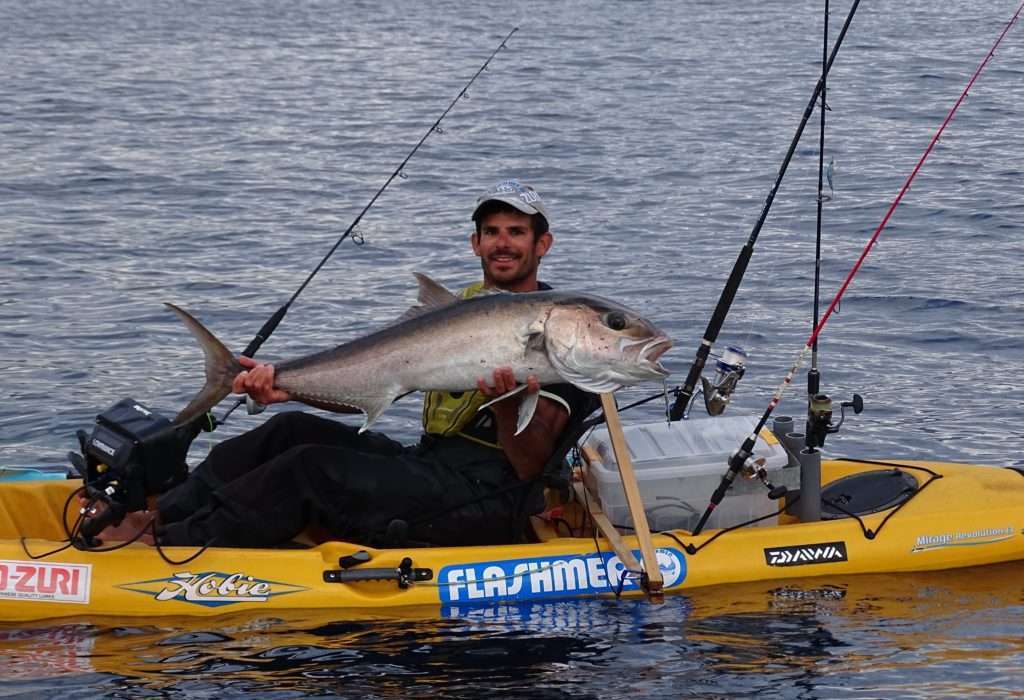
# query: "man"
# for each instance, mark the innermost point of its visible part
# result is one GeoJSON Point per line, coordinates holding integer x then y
{"type": "Point", "coordinates": [468, 481]}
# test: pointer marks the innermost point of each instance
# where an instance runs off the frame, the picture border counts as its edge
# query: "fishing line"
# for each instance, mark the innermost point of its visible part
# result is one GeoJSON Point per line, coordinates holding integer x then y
{"type": "Point", "coordinates": [272, 323]}
{"type": "Point", "coordinates": [740, 266]}
{"type": "Point", "coordinates": [885, 219]}
{"type": "Point", "coordinates": [737, 460]}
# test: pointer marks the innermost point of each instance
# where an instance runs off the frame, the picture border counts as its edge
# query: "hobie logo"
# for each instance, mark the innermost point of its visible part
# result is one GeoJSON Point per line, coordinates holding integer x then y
{"type": "Point", "coordinates": [212, 588]}
{"type": "Point", "coordinates": [806, 554]}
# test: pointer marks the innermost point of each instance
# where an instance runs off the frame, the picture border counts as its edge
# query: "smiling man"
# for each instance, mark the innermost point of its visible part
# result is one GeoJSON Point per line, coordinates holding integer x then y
{"type": "Point", "coordinates": [470, 480]}
{"type": "Point", "coordinates": [511, 236]}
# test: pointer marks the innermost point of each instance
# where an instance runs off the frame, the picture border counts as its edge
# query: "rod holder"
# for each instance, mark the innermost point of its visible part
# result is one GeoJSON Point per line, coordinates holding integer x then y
{"type": "Point", "coordinates": [794, 442]}
{"type": "Point", "coordinates": [781, 425]}
{"type": "Point", "coordinates": [809, 506]}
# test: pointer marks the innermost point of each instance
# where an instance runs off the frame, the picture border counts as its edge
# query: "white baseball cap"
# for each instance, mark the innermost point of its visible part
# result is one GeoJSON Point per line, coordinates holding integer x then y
{"type": "Point", "coordinates": [514, 193]}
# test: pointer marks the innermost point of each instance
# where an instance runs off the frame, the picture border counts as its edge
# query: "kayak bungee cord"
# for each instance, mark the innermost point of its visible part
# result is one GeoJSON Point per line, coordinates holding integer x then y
{"type": "Point", "coordinates": [685, 394]}
{"type": "Point", "coordinates": [743, 457]}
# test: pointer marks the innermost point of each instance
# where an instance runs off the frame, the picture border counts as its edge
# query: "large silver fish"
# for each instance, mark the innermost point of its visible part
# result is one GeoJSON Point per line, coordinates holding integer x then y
{"type": "Point", "coordinates": [447, 342]}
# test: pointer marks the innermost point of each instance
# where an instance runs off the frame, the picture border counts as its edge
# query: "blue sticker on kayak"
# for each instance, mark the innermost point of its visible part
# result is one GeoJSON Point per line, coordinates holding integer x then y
{"type": "Point", "coordinates": [212, 589]}
{"type": "Point", "coordinates": [550, 577]}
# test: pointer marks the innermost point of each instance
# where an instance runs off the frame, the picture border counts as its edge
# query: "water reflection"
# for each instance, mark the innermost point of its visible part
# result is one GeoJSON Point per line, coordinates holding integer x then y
{"type": "Point", "coordinates": [959, 632]}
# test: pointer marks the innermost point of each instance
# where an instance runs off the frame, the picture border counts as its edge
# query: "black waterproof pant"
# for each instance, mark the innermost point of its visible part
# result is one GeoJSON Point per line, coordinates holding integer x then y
{"type": "Point", "coordinates": [299, 471]}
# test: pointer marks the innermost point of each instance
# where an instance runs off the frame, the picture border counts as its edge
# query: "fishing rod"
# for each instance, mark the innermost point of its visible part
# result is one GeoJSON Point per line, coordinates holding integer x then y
{"type": "Point", "coordinates": [685, 395]}
{"type": "Point", "coordinates": [742, 458]}
{"type": "Point", "coordinates": [816, 416]}
{"type": "Point", "coordinates": [272, 323]}
{"type": "Point", "coordinates": [150, 450]}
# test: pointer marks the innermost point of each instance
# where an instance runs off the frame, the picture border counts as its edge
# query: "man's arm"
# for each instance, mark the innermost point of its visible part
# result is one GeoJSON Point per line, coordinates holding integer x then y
{"type": "Point", "coordinates": [258, 382]}
{"type": "Point", "coordinates": [530, 450]}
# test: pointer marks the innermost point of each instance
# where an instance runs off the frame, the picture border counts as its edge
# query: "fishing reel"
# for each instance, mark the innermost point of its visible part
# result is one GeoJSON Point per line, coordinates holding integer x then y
{"type": "Point", "coordinates": [132, 453]}
{"type": "Point", "coordinates": [754, 468]}
{"type": "Point", "coordinates": [819, 417]}
{"type": "Point", "coordinates": [729, 369]}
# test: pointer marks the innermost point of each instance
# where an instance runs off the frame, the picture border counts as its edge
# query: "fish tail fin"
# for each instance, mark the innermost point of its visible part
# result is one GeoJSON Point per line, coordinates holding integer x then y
{"type": "Point", "coordinates": [221, 368]}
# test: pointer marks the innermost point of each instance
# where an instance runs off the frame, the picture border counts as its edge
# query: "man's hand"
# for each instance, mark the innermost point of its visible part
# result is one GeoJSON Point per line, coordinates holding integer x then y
{"type": "Point", "coordinates": [504, 382]}
{"type": "Point", "coordinates": [258, 382]}
{"type": "Point", "coordinates": [528, 450]}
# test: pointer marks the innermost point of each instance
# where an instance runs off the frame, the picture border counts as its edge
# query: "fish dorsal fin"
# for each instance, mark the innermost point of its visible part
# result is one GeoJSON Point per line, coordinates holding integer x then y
{"type": "Point", "coordinates": [432, 294]}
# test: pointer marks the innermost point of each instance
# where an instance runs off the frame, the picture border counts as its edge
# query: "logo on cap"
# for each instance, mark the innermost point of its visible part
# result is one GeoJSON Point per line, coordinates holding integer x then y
{"type": "Point", "coordinates": [526, 193]}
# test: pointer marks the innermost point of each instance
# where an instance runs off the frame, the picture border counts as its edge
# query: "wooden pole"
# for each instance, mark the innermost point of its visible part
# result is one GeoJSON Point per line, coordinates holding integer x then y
{"type": "Point", "coordinates": [624, 553]}
{"type": "Point", "coordinates": [652, 580]}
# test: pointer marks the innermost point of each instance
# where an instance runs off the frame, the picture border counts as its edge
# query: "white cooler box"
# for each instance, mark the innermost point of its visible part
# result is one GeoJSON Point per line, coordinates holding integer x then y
{"type": "Point", "coordinates": [679, 465]}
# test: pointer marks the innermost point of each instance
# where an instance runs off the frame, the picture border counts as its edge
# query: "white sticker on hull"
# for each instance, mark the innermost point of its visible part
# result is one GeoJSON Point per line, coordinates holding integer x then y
{"type": "Point", "coordinates": [49, 583]}
{"type": "Point", "coordinates": [550, 577]}
{"type": "Point", "coordinates": [926, 543]}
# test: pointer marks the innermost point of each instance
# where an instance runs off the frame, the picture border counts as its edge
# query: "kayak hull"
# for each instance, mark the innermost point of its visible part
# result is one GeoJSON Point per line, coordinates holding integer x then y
{"type": "Point", "coordinates": [966, 515]}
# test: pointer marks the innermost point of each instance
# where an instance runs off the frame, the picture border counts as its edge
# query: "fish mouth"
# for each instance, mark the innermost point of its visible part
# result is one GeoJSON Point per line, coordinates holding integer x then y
{"type": "Point", "coordinates": [652, 351]}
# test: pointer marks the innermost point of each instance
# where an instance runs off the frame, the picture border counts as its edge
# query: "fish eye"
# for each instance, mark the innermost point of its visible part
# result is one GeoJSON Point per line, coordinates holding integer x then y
{"type": "Point", "coordinates": [616, 320]}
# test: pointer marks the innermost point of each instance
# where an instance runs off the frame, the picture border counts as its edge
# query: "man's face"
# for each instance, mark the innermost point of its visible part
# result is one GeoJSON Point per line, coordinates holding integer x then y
{"type": "Point", "coordinates": [509, 252]}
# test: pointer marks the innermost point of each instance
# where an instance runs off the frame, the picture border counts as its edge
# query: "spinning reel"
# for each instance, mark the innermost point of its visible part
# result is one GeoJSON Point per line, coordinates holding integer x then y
{"type": "Point", "coordinates": [819, 417]}
{"type": "Point", "coordinates": [729, 369]}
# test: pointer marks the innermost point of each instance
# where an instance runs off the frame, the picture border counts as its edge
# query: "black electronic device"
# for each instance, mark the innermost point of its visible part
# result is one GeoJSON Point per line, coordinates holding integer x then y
{"type": "Point", "coordinates": [132, 453]}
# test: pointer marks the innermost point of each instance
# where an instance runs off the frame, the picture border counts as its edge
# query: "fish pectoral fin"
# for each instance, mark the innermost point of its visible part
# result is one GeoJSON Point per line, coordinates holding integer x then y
{"type": "Point", "coordinates": [557, 399]}
{"type": "Point", "coordinates": [527, 407]}
{"type": "Point", "coordinates": [496, 399]}
{"type": "Point", "coordinates": [535, 341]}
{"type": "Point", "coordinates": [533, 336]}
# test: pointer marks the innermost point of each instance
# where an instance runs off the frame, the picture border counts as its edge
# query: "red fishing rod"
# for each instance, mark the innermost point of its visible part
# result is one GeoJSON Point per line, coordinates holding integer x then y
{"type": "Point", "coordinates": [743, 457]}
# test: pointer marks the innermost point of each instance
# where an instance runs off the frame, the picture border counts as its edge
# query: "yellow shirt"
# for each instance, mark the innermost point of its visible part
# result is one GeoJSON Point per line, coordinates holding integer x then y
{"type": "Point", "coordinates": [457, 413]}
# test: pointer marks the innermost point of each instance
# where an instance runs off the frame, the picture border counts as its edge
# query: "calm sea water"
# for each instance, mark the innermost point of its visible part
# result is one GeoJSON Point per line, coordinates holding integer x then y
{"type": "Point", "coordinates": [209, 153]}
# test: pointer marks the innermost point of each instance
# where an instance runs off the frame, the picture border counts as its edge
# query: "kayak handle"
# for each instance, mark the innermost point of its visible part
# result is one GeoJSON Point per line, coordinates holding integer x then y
{"type": "Point", "coordinates": [404, 574]}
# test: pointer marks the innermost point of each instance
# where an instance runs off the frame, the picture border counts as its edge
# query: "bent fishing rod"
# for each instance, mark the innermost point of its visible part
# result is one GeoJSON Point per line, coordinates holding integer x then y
{"type": "Point", "coordinates": [272, 323]}
{"type": "Point", "coordinates": [685, 394]}
{"type": "Point", "coordinates": [125, 487]}
{"type": "Point", "coordinates": [743, 457]}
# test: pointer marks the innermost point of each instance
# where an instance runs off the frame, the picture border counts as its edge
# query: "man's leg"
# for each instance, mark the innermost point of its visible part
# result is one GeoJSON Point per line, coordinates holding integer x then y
{"type": "Point", "coordinates": [351, 494]}
{"type": "Point", "coordinates": [237, 456]}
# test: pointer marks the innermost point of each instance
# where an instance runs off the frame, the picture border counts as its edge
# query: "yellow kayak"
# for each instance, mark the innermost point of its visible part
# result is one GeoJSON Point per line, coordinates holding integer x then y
{"type": "Point", "coordinates": [958, 516]}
